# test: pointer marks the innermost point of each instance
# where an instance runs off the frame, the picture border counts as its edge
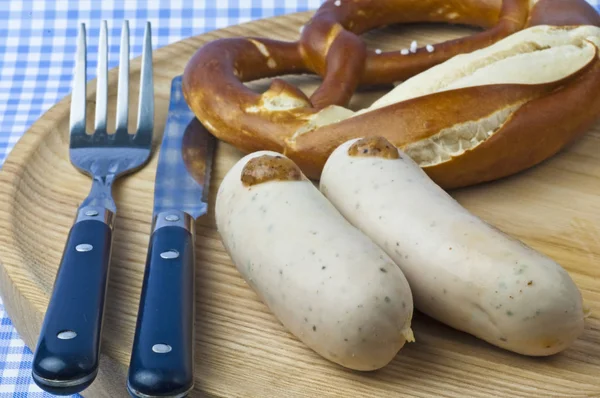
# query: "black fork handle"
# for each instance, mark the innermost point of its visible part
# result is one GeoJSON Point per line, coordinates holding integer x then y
{"type": "Point", "coordinates": [67, 353]}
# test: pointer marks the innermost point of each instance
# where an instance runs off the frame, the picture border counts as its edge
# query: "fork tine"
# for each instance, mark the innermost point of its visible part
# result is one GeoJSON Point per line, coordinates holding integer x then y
{"type": "Point", "coordinates": [77, 113]}
{"type": "Point", "coordinates": [102, 82]}
{"type": "Point", "coordinates": [123, 90]}
{"type": "Point", "coordinates": [145, 123]}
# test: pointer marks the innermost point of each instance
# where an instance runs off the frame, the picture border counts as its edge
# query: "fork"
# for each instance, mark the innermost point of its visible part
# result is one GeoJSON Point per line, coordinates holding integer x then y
{"type": "Point", "coordinates": [67, 353]}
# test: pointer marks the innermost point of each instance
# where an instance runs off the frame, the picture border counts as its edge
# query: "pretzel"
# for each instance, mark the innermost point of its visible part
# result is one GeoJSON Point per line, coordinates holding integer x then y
{"type": "Point", "coordinates": [307, 130]}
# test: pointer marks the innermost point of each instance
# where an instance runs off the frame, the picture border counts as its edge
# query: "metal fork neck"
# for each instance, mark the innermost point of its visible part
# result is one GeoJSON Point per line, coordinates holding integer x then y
{"type": "Point", "coordinates": [99, 204]}
{"type": "Point", "coordinates": [101, 193]}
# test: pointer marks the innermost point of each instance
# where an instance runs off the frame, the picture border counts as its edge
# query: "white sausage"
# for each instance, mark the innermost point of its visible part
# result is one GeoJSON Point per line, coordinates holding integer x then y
{"type": "Point", "coordinates": [462, 271]}
{"type": "Point", "coordinates": [327, 283]}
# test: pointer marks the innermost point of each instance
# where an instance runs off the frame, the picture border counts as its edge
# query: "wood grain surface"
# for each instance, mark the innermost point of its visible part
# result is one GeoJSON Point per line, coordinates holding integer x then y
{"type": "Point", "coordinates": [241, 349]}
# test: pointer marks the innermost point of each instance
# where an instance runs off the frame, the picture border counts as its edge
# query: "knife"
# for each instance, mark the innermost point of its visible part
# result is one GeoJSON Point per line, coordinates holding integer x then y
{"type": "Point", "coordinates": [162, 358]}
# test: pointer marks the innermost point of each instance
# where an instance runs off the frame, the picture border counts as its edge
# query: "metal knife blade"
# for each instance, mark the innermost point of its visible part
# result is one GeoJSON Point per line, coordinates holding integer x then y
{"type": "Point", "coordinates": [185, 160]}
{"type": "Point", "coordinates": [162, 358]}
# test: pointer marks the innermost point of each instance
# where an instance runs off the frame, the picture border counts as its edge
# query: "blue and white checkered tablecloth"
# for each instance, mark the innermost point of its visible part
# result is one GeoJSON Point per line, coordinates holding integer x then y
{"type": "Point", "coordinates": [37, 47]}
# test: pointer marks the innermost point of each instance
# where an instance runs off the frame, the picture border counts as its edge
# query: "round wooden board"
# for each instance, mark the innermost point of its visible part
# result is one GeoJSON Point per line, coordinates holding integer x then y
{"type": "Point", "coordinates": [241, 349]}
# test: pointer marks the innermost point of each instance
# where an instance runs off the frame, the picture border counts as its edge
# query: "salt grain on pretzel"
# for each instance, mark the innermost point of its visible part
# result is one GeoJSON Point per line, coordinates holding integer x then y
{"type": "Point", "coordinates": [506, 114]}
{"type": "Point", "coordinates": [413, 46]}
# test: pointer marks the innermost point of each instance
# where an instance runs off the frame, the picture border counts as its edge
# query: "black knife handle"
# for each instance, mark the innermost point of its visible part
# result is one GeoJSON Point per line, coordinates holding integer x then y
{"type": "Point", "coordinates": [67, 353]}
{"type": "Point", "coordinates": [162, 357]}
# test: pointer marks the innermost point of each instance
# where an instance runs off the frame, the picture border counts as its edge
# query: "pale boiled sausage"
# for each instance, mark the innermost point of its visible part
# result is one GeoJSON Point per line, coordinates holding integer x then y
{"type": "Point", "coordinates": [462, 271]}
{"type": "Point", "coordinates": [327, 283]}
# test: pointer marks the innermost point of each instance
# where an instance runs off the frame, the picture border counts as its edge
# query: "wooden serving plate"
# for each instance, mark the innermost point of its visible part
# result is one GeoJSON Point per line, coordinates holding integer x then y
{"type": "Point", "coordinates": [241, 349]}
